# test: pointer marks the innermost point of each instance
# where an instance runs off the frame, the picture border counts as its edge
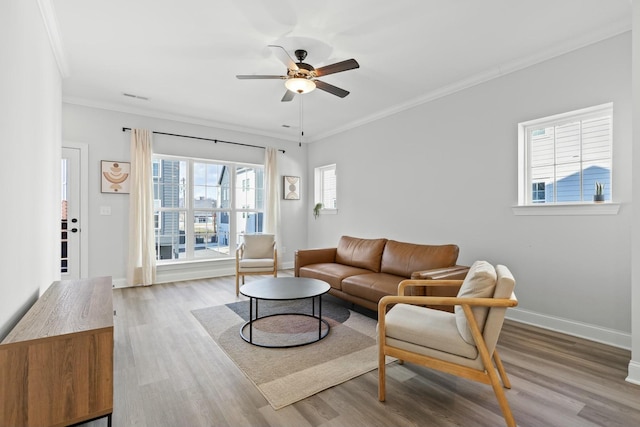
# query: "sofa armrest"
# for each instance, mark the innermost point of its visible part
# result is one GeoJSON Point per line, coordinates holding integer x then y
{"type": "Point", "coordinates": [411, 283]}
{"type": "Point", "coordinates": [313, 256]}
{"type": "Point", "coordinates": [457, 272]}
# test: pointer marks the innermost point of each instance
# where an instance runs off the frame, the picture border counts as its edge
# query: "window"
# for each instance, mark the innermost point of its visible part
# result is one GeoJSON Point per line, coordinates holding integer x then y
{"type": "Point", "coordinates": [563, 156]}
{"type": "Point", "coordinates": [326, 187]}
{"type": "Point", "coordinates": [204, 206]}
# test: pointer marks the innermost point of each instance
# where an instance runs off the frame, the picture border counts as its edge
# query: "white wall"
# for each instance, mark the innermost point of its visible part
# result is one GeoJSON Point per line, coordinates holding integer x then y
{"type": "Point", "coordinates": [446, 171]}
{"type": "Point", "coordinates": [30, 99]}
{"type": "Point", "coordinates": [102, 131]}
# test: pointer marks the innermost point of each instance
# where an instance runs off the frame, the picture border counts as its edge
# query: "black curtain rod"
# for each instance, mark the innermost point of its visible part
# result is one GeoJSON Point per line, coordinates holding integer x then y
{"type": "Point", "coordinates": [205, 139]}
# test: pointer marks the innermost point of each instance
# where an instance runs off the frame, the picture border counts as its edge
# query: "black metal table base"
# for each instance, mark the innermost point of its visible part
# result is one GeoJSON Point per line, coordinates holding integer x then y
{"type": "Point", "coordinates": [321, 333]}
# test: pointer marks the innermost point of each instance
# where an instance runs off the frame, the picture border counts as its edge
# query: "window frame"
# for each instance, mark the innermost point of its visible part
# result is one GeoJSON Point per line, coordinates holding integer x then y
{"type": "Point", "coordinates": [190, 210]}
{"type": "Point", "coordinates": [526, 205]}
{"type": "Point", "coordinates": [319, 188]}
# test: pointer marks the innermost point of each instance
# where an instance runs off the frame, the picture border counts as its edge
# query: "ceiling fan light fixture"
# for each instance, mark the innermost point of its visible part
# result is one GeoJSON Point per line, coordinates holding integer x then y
{"type": "Point", "coordinates": [300, 85]}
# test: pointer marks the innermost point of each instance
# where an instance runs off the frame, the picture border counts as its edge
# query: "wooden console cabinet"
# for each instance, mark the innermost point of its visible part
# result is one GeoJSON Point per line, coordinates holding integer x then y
{"type": "Point", "coordinates": [56, 365]}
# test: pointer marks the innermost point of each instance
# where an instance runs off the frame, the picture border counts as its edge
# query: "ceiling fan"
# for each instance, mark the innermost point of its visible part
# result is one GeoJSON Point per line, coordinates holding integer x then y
{"type": "Point", "coordinates": [302, 78]}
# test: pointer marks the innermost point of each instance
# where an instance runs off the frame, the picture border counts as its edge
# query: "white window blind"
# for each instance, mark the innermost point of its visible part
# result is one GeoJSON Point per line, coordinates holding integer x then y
{"type": "Point", "coordinates": [326, 186]}
{"type": "Point", "coordinates": [565, 155]}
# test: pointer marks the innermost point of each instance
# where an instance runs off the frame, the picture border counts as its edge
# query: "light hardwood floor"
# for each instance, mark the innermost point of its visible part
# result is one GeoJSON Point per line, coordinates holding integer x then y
{"type": "Point", "coordinates": [169, 372]}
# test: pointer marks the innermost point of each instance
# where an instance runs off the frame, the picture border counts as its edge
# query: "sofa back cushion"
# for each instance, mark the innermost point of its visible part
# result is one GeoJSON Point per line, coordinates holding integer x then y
{"type": "Point", "coordinates": [362, 253]}
{"type": "Point", "coordinates": [402, 259]}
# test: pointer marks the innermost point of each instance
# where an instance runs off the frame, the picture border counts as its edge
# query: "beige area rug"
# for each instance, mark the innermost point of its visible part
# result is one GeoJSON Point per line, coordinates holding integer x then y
{"type": "Point", "coordinates": [287, 375]}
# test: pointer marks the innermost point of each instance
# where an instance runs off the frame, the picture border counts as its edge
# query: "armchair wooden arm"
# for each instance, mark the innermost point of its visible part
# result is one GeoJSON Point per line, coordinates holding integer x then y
{"type": "Point", "coordinates": [479, 302]}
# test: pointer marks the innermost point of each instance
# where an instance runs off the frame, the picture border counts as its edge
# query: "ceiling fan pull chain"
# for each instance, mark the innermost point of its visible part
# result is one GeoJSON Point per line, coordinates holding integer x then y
{"type": "Point", "coordinates": [301, 123]}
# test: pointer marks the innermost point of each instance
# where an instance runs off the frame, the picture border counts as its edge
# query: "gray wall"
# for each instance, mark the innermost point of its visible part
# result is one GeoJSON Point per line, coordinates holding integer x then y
{"type": "Point", "coordinates": [446, 171]}
{"type": "Point", "coordinates": [30, 88]}
{"type": "Point", "coordinates": [101, 131]}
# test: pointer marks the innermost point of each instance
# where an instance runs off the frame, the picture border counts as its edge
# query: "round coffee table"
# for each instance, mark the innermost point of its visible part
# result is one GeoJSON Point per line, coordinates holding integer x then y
{"type": "Point", "coordinates": [285, 289]}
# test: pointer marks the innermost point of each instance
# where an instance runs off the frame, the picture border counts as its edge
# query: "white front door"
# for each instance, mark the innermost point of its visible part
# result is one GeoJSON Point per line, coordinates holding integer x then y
{"type": "Point", "coordinates": [71, 224]}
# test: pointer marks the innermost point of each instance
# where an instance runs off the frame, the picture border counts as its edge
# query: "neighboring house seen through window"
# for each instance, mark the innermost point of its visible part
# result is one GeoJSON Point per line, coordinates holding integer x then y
{"type": "Point", "coordinates": [202, 207]}
{"type": "Point", "coordinates": [563, 156]}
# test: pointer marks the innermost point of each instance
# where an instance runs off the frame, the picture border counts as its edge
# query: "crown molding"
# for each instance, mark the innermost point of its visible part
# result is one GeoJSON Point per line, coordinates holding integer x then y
{"type": "Point", "coordinates": [174, 117]}
{"type": "Point", "coordinates": [51, 24]}
{"type": "Point", "coordinates": [474, 80]}
{"type": "Point", "coordinates": [495, 72]}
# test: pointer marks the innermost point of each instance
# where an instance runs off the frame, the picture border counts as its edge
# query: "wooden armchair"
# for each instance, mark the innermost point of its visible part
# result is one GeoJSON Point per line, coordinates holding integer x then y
{"type": "Point", "coordinates": [257, 254]}
{"type": "Point", "coordinates": [461, 343]}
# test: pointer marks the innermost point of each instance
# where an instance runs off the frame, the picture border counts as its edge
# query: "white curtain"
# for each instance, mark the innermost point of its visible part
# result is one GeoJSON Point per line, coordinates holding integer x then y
{"type": "Point", "coordinates": [272, 193]}
{"type": "Point", "coordinates": [141, 269]}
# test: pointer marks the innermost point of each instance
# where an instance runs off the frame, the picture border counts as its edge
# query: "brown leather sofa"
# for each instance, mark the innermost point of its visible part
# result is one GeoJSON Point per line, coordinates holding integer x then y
{"type": "Point", "coordinates": [364, 270]}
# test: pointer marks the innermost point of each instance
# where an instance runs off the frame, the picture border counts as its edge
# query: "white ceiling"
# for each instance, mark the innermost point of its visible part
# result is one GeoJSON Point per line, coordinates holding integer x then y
{"type": "Point", "coordinates": [183, 55]}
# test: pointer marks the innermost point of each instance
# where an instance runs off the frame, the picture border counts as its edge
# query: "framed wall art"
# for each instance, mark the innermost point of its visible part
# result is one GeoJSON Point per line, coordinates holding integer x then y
{"type": "Point", "coordinates": [291, 187]}
{"type": "Point", "coordinates": [115, 176]}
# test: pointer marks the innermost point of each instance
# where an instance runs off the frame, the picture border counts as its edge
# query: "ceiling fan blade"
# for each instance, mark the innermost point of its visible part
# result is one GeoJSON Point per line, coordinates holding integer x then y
{"type": "Point", "coordinates": [338, 67]}
{"type": "Point", "coordinates": [259, 76]}
{"type": "Point", "coordinates": [288, 96]}
{"type": "Point", "coordinates": [284, 57]}
{"type": "Point", "coordinates": [331, 89]}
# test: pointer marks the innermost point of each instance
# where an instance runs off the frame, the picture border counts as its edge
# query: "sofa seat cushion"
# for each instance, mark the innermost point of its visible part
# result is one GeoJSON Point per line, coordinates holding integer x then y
{"type": "Point", "coordinates": [361, 253]}
{"type": "Point", "coordinates": [408, 326]}
{"type": "Point", "coordinates": [372, 286]}
{"type": "Point", "coordinates": [331, 273]}
{"type": "Point", "coordinates": [403, 259]}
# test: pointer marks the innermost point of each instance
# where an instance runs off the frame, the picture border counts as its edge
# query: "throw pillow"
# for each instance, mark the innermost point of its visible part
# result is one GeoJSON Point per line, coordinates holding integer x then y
{"type": "Point", "coordinates": [479, 283]}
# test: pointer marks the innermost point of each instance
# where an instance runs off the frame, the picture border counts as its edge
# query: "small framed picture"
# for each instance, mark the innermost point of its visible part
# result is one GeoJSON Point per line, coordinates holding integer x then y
{"type": "Point", "coordinates": [115, 176]}
{"type": "Point", "coordinates": [291, 187]}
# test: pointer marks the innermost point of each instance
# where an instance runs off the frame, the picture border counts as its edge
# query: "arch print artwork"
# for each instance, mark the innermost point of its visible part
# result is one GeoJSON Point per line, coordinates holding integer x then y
{"type": "Point", "coordinates": [115, 176]}
{"type": "Point", "coordinates": [291, 186]}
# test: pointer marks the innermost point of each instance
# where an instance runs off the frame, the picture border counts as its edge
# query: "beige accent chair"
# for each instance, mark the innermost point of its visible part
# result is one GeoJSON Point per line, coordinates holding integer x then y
{"type": "Point", "coordinates": [256, 255]}
{"type": "Point", "coordinates": [462, 343]}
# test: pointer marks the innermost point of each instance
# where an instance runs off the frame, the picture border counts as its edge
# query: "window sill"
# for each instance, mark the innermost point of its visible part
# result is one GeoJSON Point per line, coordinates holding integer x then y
{"type": "Point", "coordinates": [186, 263]}
{"type": "Point", "coordinates": [559, 209]}
{"type": "Point", "coordinates": [329, 212]}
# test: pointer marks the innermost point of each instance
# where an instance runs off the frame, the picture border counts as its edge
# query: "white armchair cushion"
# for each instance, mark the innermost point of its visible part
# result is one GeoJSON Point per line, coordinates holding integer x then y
{"type": "Point", "coordinates": [255, 264]}
{"type": "Point", "coordinates": [258, 246]}
{"type": "Point", "coordinates": [425, 327]}
{"type": "Point", "coordinates": [479, 283]}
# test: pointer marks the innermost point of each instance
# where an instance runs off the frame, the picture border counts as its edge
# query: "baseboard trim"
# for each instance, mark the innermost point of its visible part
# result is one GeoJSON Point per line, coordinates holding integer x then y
{"type": "Point", "coordinates": [120, 283]}
{"type": "Point", "coordinates": [193, 271]}
{"type": "Point", "coordinates": [634, 373]}
{"type": "Point", "coordinates": [571, 327]}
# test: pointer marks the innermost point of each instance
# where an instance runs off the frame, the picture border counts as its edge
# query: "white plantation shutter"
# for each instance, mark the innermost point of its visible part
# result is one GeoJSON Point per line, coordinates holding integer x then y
{"type": "Point", "coordinates": [567, 155]}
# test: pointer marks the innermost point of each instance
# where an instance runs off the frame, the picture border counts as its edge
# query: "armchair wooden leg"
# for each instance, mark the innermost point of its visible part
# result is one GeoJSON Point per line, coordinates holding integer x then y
{"type": "Point", "coordinates": [503, 374]}
{"type": "Point", "coordinates": [502, 399]}
{"type": "Point", "coordinates": [381, 375]}
{"type": "Point", "coordinates": [237, 285]}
